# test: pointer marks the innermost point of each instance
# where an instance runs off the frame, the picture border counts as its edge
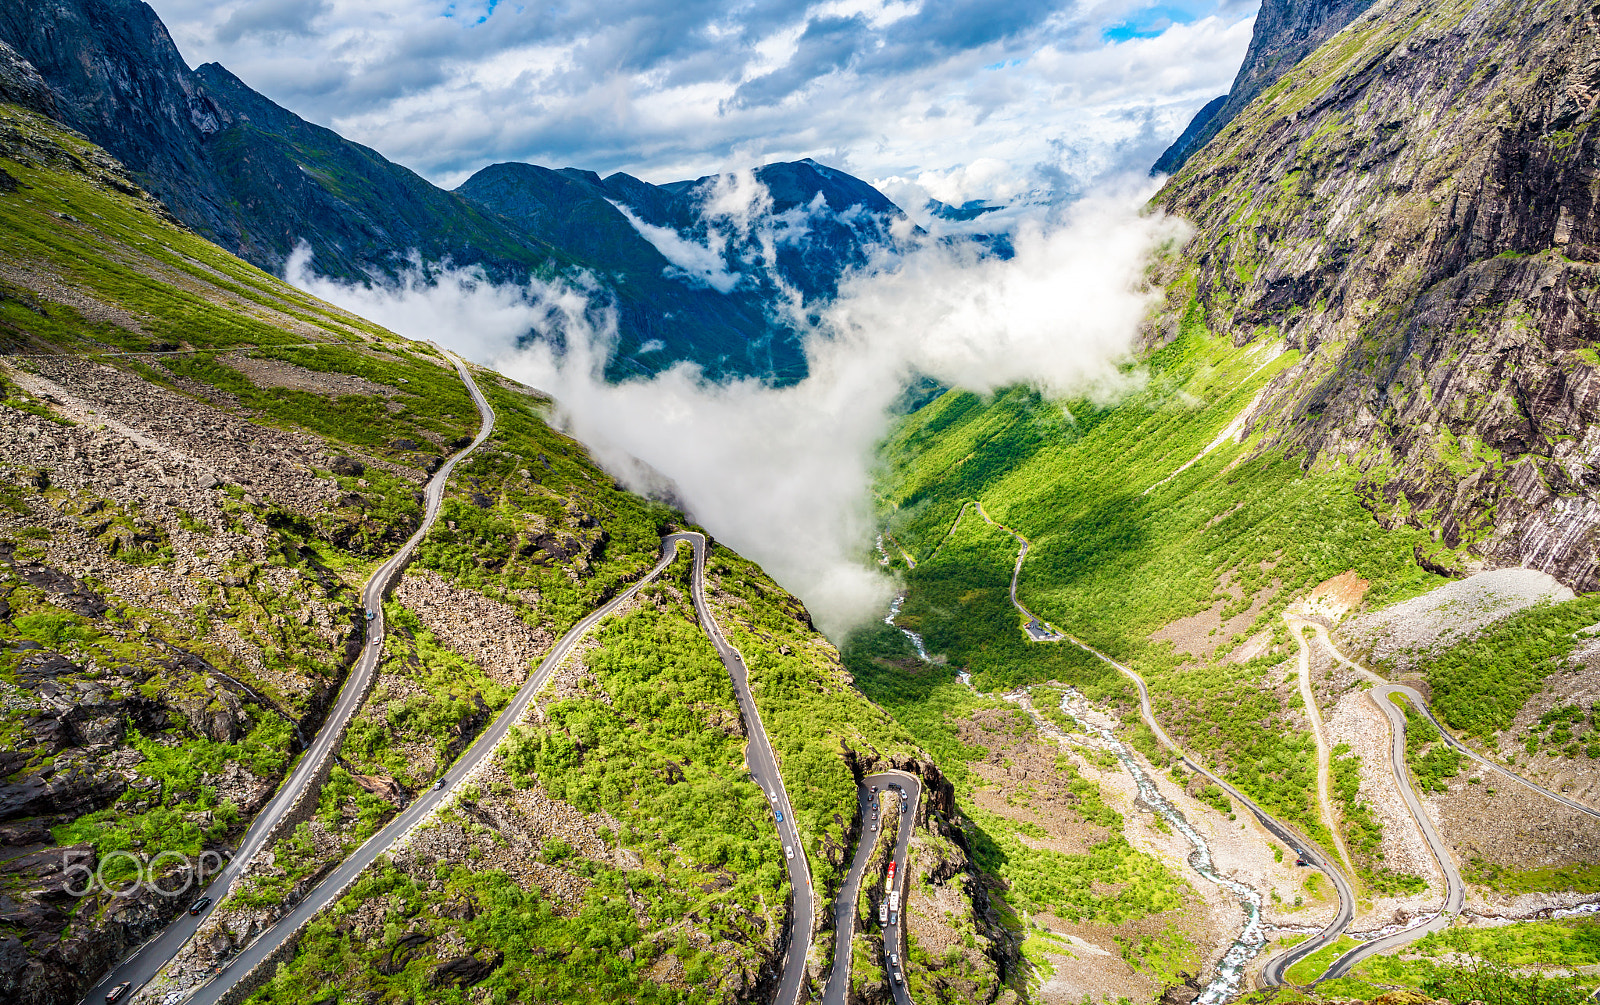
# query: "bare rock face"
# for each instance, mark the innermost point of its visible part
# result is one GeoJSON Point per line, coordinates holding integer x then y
{"type": "Point", "coordinates": [20, 83]}
{"type": "Point", "coordinates": [1286, 31]}
{"type": "Point", "coordinates": [1413, 209]}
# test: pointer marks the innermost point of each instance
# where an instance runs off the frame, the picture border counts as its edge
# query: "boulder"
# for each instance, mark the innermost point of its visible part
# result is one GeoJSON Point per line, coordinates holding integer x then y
{"type": "Point", "coordinates": [347, 466]}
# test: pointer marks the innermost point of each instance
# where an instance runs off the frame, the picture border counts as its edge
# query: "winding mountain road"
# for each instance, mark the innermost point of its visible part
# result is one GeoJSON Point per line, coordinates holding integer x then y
{"type": "Point", "coordinates": [836, 991]}
{"type": "Point", "coordinates": [302, 782]}
{"type": "Point", "coordinates": [1421, 704]}
{"type": "Point", "coordinates": [764, 770]}
{"type": "Point", "coordinates": [1272, 972]}
{"type": "Point", "coordinates": [759, 756]}
{"type": "Point", "coordinates": [1455, 890]}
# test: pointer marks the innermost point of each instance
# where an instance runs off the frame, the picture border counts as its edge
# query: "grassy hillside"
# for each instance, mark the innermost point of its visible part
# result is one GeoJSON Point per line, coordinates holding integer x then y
{"type": "Point", "coordinates": [183, 535]}
{"type": "Point", "coordinates": [1140, 514]}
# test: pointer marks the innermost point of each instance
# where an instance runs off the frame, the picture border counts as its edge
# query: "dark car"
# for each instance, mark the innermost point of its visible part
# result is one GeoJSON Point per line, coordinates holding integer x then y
{"type": "Point", "coordinates": [200, 905]}
{"type": "Point", "coordinates": [116, 993]}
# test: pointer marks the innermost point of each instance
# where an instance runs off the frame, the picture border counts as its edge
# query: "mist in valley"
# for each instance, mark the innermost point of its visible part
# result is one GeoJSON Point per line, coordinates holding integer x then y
{"type": "Point", "coordinates": [783, 474]}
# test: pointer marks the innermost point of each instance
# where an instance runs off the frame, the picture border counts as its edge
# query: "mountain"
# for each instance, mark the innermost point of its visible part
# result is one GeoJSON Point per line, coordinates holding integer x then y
{"type": "Point", "coordinates": [1361, 452]}
{"type": "Point", "coordinates": [802, 225]}
{"type": "Point", "coordinates": [259, 180]}
{"type": "Point", "coordinates": [200, 469]}
{"type": "Point", "coordinates": [1286, 31]}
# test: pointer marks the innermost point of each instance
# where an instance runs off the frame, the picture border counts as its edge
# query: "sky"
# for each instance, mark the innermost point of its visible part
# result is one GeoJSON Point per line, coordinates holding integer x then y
{"type": "Point", "coordinates": [947, 99]}
{"type": "Point", "coordinates": [1056, 107]}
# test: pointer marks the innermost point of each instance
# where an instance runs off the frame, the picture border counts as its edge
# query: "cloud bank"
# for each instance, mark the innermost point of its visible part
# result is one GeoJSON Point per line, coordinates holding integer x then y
{"type": "Point", "coordinates": [1047, 89]}
{"type": "Point", "coordinates": [783, 475]}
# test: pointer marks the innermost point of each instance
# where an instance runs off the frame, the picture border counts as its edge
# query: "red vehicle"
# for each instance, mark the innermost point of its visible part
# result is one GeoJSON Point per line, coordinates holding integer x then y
{"type": "Point", "coordinates": [890, 881]}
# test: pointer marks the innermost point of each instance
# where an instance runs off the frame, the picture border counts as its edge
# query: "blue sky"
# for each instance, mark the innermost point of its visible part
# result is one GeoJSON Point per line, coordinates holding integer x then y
{"type": "Point", "coordinates": [950, 99]}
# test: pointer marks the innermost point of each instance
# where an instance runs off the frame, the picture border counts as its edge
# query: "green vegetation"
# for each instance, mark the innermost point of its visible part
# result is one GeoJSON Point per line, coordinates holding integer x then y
{"type": "Point", "coordinates": [650, 737]}
{"type": "Point", "coordinates": [426, 397]}
{"type": "Point", "coordinates": [533, 945]}
{"type": "Point", "coordinates": [1119, 551]}
{"type": "Point", "coordinates": [1168, 956]}
{"type": "Point", "coordinates": [1363, 833]}
{"type": "Point", "coordinates": [1431, 760]}
{"type": "Point", "coordinates": [446, 701]}
{"type": "Point", "coordinates": [1579, 878]}
{"type": "Point", "coordinates": [1109, 883]}
{"type": "Point", "coordinates": [530, 512]}
{"type": "Point", "coordinates": [1109, 562]}
{"type": "Point", "coordinates": [1494, 965]}
{"type": "Point", "coordinates": [655, 744]}
{"type": "Point", "coordinates": [810, 711]}
{"type": "Point", "coordinates": [1481, 684]}
{"type": "Point", "coordinates": [960, 602]}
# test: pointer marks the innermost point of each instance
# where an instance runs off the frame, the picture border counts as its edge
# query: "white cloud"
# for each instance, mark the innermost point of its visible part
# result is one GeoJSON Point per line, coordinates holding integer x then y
{"type": "Point", "coordinates": [899, 89]}
{"type": "Point", "coordinates": [700, 263]}
{"type": "Point", "coordinates": [783, 474]}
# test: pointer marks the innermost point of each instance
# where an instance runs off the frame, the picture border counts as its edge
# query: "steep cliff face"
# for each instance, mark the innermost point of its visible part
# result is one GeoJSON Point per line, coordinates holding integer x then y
{"type": "Point", "coordinates": [1414, 208]}
{"type": "Point", "coordinates": [117, 77]}
{"type": "Point", "coordinates": [1286, 32]}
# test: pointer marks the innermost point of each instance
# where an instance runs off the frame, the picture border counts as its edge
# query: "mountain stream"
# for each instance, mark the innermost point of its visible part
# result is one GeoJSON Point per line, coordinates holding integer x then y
{"type": "Point", "coordinates": [1230, 969]}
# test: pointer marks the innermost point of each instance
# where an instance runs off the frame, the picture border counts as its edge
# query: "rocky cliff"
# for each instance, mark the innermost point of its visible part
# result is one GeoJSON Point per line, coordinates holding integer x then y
{"type": "Point", "coordinates": [1413, 208]}
{"type": "Point", "coordinates": [1286, 31]}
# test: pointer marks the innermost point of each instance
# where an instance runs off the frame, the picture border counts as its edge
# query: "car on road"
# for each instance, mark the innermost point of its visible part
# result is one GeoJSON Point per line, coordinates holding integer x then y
{"type": "Point", "coordinates": [874, 788]}
{"type": "Point", "coordinates": [874, 825]}
{"type": "Point", "coordinates": [440, 783]}
{"type": "Point", "coordinates": [200, 905]}
{"type": "Point", "coordinates": [788, 851]}
{"type": "Point", "coordinates": [779, 815]}
{"type": "Point", "coordinates": [897, 978]}
{"type": "Point", "coordinates": [116, 993]}
{"type": "Point", "coordinates": [1299, 861]}
{"type": "Point", "coordinates": [894, 959]}
{"type": "Point", "coordinates": [371, 615]}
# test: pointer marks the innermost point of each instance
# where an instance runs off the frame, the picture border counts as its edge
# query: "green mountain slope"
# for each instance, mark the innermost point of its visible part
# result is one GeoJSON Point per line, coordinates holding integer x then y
{"type": "Point", "coordinates": [199, 468]}
{"type": "Point", "coordinates": [1375, 357]}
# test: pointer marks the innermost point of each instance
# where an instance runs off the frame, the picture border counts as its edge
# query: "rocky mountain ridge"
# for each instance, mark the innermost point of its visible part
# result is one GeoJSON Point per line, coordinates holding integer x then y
{"type": "Point", "coordinates": [1286, 32]}
{"type": "Point", "coordinates": [1412, 209]}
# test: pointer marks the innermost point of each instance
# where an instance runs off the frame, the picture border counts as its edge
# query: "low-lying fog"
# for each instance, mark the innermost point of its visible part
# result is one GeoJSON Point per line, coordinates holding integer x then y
{"type": "Point", "coordinates": [783, 474]}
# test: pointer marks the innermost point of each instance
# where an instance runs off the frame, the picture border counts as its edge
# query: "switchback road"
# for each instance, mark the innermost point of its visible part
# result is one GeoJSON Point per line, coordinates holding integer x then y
{"type": "Point", "coordinates": [759, 756]}
{"type": "Point", "coordinates": [1272, 973]}
{"type": "Point", "coordinates": [1455, 890]}
{"type": "Point", "coordinates": [329, 890]}
{"type": "Point", "coordinates": [144, 964]}
{"type": "Point", "coordinates": [869, 793]}
{"type": "Point", "coordinates": [1422, 706]}
{"type": "Point", "coordinates": [763, 765]}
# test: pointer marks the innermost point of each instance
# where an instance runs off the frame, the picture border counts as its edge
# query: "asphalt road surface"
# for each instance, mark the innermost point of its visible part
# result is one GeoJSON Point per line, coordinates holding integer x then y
{"type": "Point", "coordinates": [327, 891]}
{"type": "Point", "coordinates": [764, 770]}
{"type": "Point", "coordinates": [148, 960]}
{"type": "Point", "coordinates": [1455, 890]}
{"type": "Point", "coordinates": [844, 908]}
{"type": "Point", "coordinates": [1272, 973]}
